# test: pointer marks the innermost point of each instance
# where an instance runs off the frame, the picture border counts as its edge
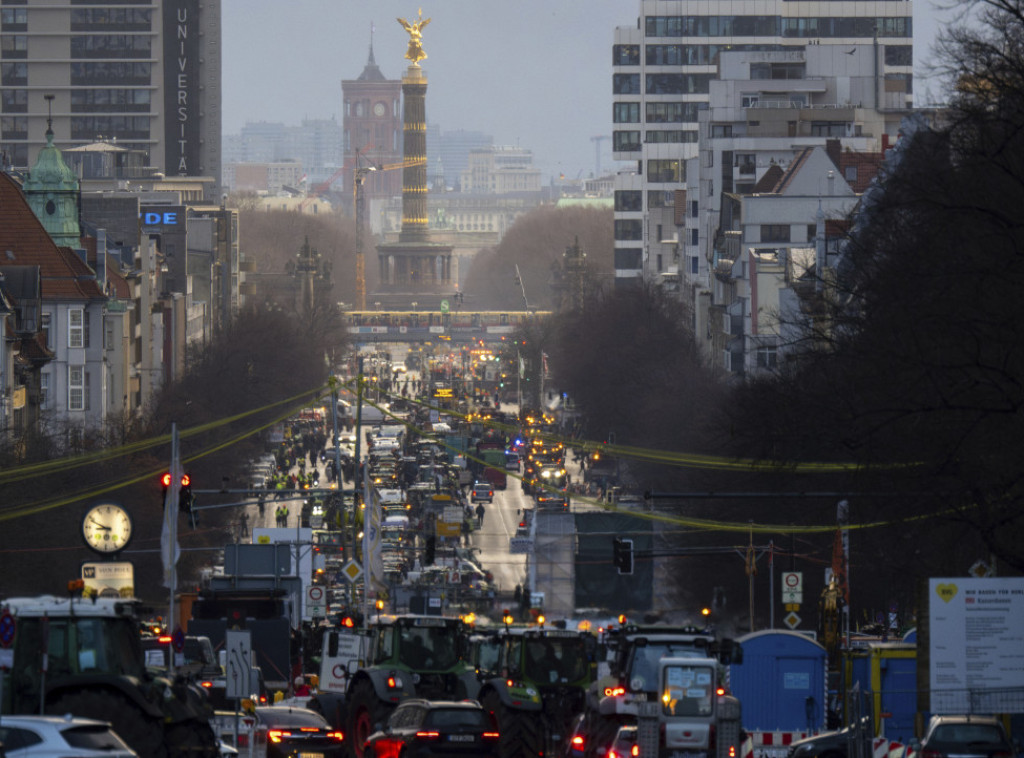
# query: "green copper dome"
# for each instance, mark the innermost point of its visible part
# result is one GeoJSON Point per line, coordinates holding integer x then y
{"type": "Point", "coordinates": [52, 192]}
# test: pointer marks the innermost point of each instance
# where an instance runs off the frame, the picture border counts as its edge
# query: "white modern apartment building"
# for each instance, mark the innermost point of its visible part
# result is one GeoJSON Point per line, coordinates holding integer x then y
{"type": "Point", "coordinates": [663, 69]}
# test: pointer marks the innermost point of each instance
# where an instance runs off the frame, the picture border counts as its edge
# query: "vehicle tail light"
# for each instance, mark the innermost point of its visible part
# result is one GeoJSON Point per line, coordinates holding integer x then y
{"type": "Point", "coordinates": [164, 638]}
{"type": "Point", "coordinates": [577, 742]}
{"type": "Point", "coordinates": [207, 684]}
{"type": "Point", "coordinates": [491, 735]}
{"type": "Point", "coordinates": [309, 729]}
{"type": "Point", "coordinates": [276, 735]}
{"type": "Point", "coordinates": [339, 736]}
{"type": "Point", "coordinates": [243, 740]}
{"type": "Point", "coordinates": [427, 735]}
{"type": "Point", "coordinates": [612, 753]}
{"type": "Point", "coordinates": [634, 751]}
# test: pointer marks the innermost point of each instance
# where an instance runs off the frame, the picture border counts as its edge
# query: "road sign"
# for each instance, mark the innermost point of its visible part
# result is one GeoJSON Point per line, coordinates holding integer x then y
{"type": "Point", "coordinates": [520, 545]}
{"type": "Point", "coordinates": [792, 587]}
{"type": "Point", "coordinates": [444, 306]}
{"type": "Point", "coordinates": [6, 629]}
{"type": "Point", "coordinates": [238, 669]}
{"type": "Point", "coordinates": [316, 602]}
{"type": "Point", "coordinates": [791, 620]}
{"type": "Point", "coordinates": [352, 571]}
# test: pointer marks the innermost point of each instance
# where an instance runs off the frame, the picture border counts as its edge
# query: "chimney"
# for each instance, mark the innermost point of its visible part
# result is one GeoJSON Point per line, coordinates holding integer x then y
{"type": "Point", "coordinates": [834, 150]}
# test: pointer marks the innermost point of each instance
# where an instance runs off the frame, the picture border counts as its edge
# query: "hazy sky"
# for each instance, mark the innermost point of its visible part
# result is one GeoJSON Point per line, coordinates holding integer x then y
{"type": "Point", "coordinates": [534, 73]}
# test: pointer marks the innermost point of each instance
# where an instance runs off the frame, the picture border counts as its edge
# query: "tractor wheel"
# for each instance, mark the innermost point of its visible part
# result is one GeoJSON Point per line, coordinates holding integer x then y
{"type": "Point", "coordinates": [144, 735]}
{"type": "Point", "coordinates": [364, 712]}
{"type": "Point", "coordinates": [521, 732]}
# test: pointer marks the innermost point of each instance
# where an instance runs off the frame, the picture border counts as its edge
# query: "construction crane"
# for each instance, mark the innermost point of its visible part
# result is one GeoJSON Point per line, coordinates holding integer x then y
{"type": "Point", "coordinates": [597, 152]}
{"type": "Point", "coordinates": [358, 205]}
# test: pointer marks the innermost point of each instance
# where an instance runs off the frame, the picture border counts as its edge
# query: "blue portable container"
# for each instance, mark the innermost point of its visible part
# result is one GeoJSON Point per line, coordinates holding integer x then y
{"type": "Point", "coordinates": [781, 682]}
{"type": "Point", "coordinates": [886, 672]}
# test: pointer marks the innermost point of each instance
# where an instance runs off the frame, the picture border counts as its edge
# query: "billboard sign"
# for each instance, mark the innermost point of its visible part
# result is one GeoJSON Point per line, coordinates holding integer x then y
{"type": "Point", "coordinates": [976, 631]}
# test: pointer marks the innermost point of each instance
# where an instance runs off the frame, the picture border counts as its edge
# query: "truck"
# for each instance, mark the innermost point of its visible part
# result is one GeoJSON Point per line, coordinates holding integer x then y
{"type": "Point", "coordinates": [264, 612]}
{"type": "Point", "coordinates": [534, 680]}
{"type": "Point", "coordinates": [693, 715]}
{"type": "Point", "coordinates": [633, 654]}
{"type": "Point", "coordinates": [392, 659]}
{"type": "Point", "coordinates": [85, 657]}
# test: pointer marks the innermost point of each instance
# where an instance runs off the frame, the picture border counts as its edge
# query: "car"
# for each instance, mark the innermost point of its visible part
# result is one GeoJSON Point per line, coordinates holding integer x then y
{"type": "Point", "coordinates": [966, 737]}
{"type": "Point", "coordinates": [511, 460]}
{"type": "Point", "coordinates": [60, 737]}
{"type": "Point", "coordinates": [834, 744]}
{"type": "Point", "coordinates": [525, 517]}
{"type": "Point", "coordinates": [425, 728]}
{"type": "Point", "coordinates": [552, 501]}
{"type": "Point", "coordinates": [482, 492]}
{"type": "Point", "coordinates": [625, 743]}
{"type": "Point", "coordinates": [299, 731]}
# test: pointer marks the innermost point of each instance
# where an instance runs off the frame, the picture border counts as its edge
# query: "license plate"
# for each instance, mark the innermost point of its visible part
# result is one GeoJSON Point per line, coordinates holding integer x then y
{"type": "Point", "coordinates": [310, 755]}
{"type": "Point", "coordinates": [461, 738]}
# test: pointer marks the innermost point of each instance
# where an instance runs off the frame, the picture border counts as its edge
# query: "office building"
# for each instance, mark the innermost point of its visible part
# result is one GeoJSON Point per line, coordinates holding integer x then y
{"type": "Point", "coordinates": [146, 76]}
{"type": "Point", "coordinates": [663, 67]}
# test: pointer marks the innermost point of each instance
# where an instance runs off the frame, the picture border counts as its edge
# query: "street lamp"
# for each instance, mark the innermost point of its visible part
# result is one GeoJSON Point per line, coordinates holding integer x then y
{"type": "Point", "coordinates": [414, 304]}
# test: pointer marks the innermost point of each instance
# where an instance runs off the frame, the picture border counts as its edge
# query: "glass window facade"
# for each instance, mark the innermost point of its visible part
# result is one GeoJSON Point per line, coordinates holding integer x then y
{"type": "Point", "coordinates": [672, 113]}
{"type": "Point", "coordinates": [625, 55]}
{"type": "Point", "coordinates": [624, 142]}
{"type": "Point", "coordinates": [660, 170]}
{"type": "Point", "coordinates": [677, 84]}
{"type": "Point", "coordinates": [629, 229]}
{"type": "Point", "coordinates": [626, 84]}
{"type": "Point", "coordinates": [626, 113]}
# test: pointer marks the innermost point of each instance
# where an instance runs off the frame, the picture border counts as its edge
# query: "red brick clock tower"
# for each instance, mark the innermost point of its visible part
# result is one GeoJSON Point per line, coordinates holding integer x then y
{"type": "Point", "coordinates": [372, 107]}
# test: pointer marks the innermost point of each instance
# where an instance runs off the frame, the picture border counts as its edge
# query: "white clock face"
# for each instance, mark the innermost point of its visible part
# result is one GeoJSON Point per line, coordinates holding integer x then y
{"type": "Point", "coordinates": [107, 528]}
{"type": "Point", "coordinates": [378, 109]}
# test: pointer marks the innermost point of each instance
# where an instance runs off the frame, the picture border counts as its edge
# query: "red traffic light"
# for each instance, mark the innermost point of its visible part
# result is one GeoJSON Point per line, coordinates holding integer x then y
{"type": "Point", "coordinates": [165, 480]}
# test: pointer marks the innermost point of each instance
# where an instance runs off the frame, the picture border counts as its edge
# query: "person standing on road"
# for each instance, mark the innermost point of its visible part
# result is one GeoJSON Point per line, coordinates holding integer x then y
{"type": "Point", "coordinates": [479, 514]}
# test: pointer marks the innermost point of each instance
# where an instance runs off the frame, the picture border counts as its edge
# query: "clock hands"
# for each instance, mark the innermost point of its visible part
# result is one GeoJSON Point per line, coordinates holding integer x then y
{"type": "Point", "coordinates": [101, 526]}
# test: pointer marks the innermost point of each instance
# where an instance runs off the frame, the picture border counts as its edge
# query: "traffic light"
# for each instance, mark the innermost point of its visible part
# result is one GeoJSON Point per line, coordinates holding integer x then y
{"type": "Point", "coordinates": [186, 500]}
{"type": "Point", "coordinates": [165, 483]}
{"type": "Point", "coordinates": [622, 555]}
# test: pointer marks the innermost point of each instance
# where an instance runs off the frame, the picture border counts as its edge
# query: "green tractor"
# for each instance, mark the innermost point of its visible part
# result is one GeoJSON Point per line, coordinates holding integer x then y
{"type": "Point", "coordinates": [534, 680]}
{"type": "Point", "coordinates": [406, 656]}
{"type": "Point", "coordinates": [85, 657]}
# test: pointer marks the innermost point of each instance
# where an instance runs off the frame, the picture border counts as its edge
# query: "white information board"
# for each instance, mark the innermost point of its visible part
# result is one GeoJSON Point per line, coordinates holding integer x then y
{"type": "Point", "coordinates": [976, 629]}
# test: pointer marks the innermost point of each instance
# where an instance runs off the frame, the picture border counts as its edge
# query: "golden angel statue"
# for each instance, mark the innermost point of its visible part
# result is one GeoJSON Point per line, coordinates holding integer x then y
{"type": "Point", "coordinates": [415, 52]}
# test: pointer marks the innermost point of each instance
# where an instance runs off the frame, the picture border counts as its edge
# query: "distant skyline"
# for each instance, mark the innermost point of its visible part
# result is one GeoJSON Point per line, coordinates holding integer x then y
{"type": "Point", "coordinates": [536, 74]}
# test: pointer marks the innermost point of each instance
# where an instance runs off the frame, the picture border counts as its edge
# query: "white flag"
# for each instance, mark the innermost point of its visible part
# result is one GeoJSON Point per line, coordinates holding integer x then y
{"type": "Point", "coordinates": [169, 549]}
{"type": "Point", "coordinates": [373, 560]}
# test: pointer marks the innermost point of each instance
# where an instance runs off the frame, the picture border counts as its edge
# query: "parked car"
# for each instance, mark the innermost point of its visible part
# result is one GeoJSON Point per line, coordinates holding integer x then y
{"type": "Point", "coordinates": [966, 737]}
{"type": "Point", "coordinates": [427, 728]}
{"type": "Point", "coordinates": [482, 491]}
{"type": "Point", "coordinates": [299, 731]}
{"type": "Point", "coordinates": [61, 737]}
